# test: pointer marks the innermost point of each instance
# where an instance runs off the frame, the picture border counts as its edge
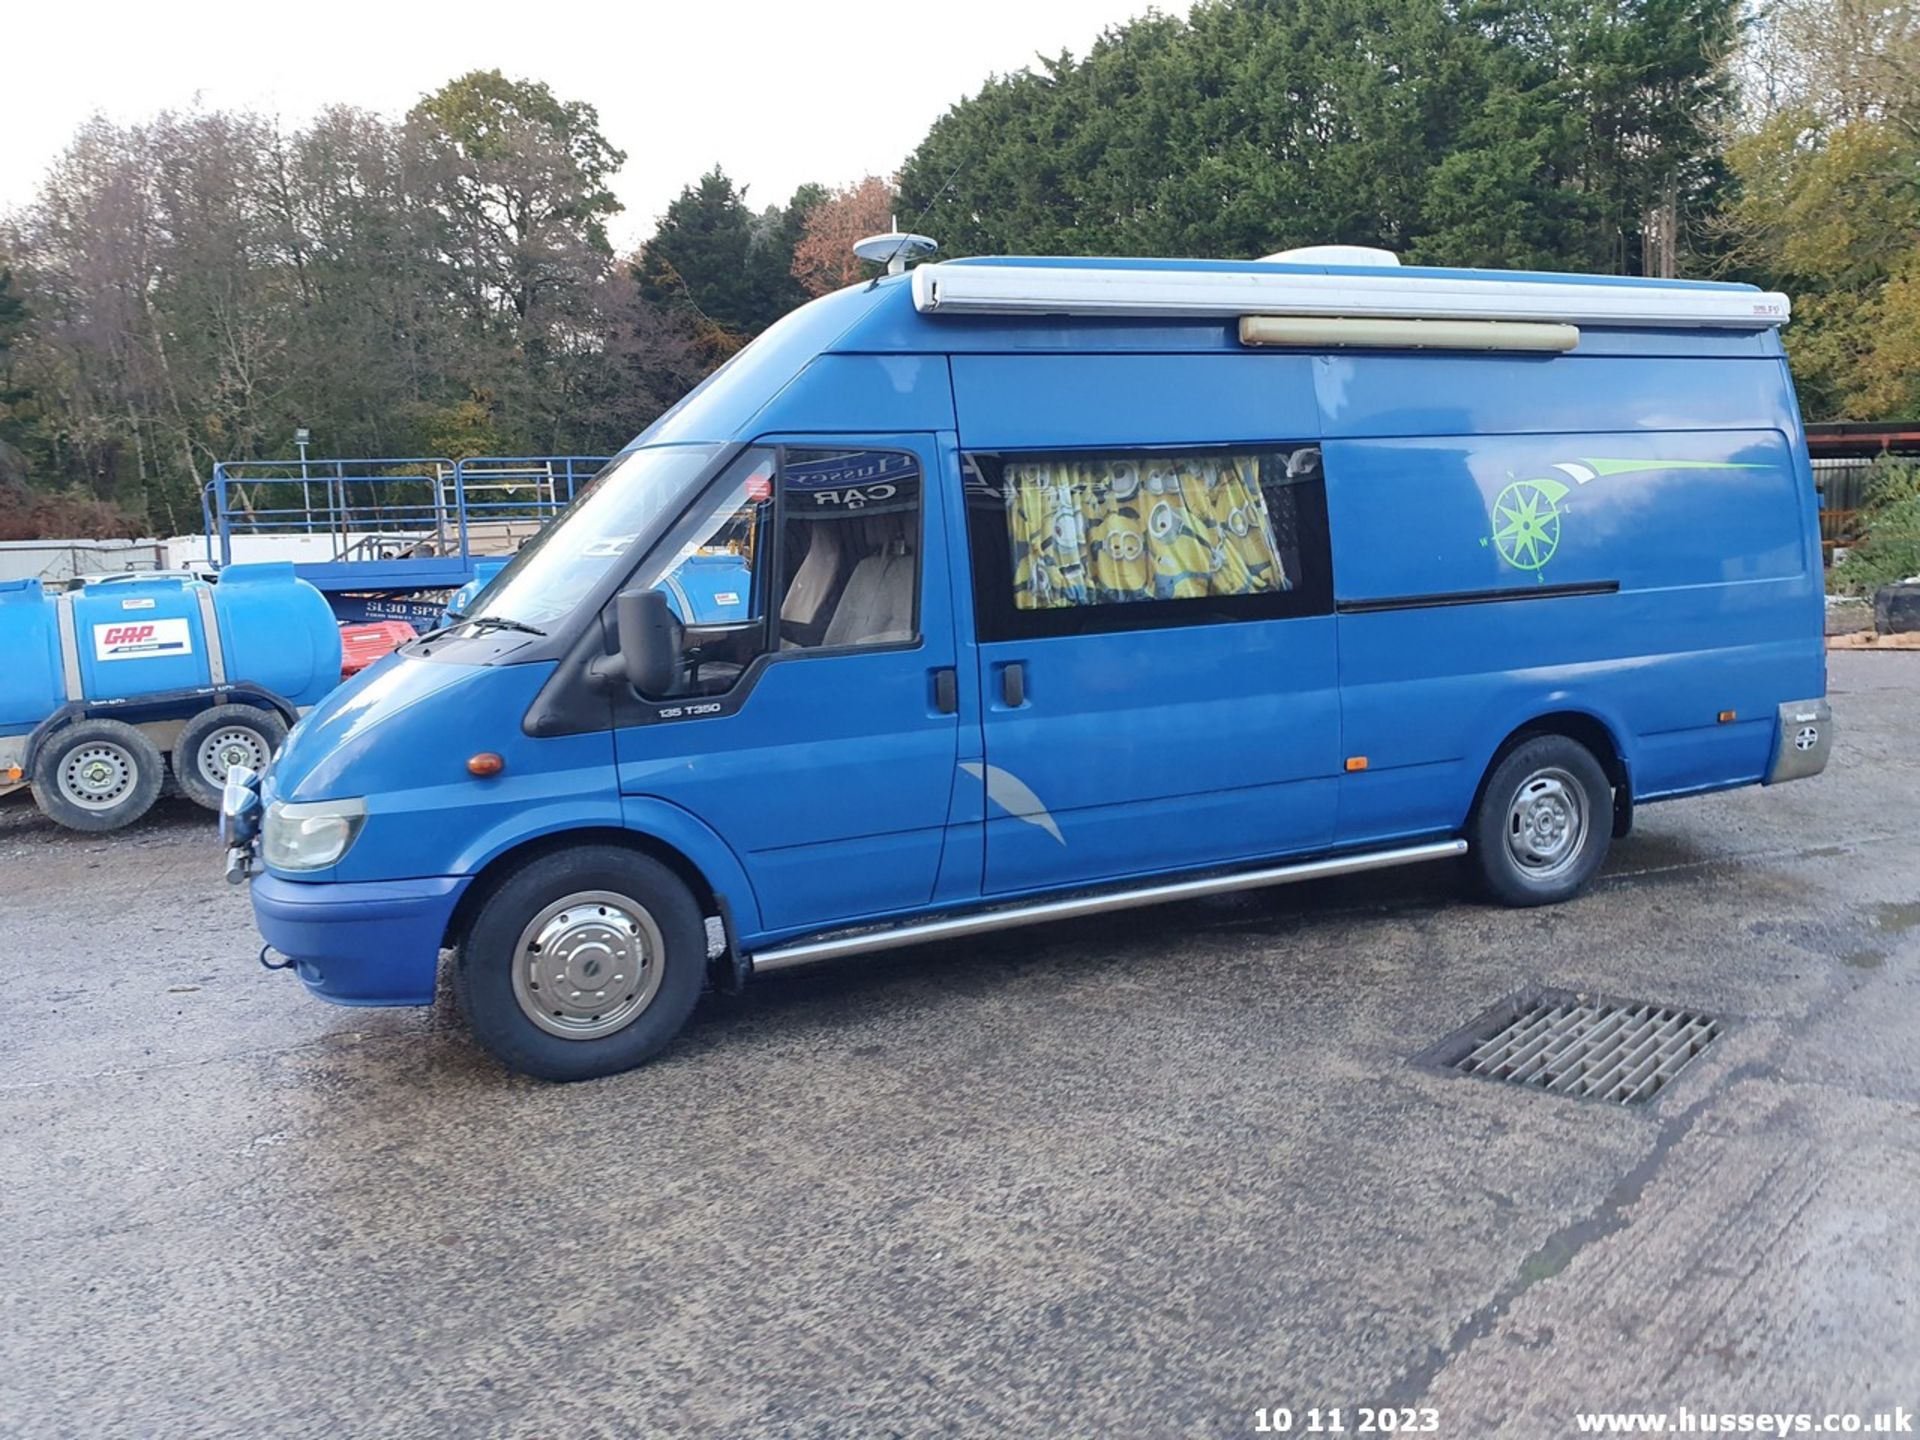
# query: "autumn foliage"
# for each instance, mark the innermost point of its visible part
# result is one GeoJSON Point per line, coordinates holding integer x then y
{"type": "Point", "coordinates": [824, 260]}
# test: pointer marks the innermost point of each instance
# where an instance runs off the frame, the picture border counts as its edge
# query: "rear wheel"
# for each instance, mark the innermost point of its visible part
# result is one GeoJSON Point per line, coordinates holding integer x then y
{"type": "Point", "coordinates": [1541, 829]}
{"type": "Point", "coordinates": [582, 963]}
{"type": "Point", "coordinates": [216, 741]}
{"type": "Point", "coordinates": [97, 775]}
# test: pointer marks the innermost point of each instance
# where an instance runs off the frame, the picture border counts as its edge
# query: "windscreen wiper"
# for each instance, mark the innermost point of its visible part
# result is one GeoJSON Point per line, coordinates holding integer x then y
{"type": "Point", "coordinates": [500, 622]}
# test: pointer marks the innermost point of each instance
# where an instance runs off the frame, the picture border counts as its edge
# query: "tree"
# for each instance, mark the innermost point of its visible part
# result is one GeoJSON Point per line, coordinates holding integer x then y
{"type": "Point", "coordinates": [1504, 132]}
{"type": "Point", "coordinates": [1827, 198]}
{"type": "Point", "coordinates": [521, 181]}
{"type": "Point", "coordinates": [777, 235]}
{"type": "Point", "coordinates": [17, 431]}
{"type": "Point", "coordinates": [201, 284]}
{"type": "Point", "coordinates": [698, 255]}
{"type": "Point", "coordinates": [1831, 212]}
{"type": "Point", "coordinates": [823, 260]}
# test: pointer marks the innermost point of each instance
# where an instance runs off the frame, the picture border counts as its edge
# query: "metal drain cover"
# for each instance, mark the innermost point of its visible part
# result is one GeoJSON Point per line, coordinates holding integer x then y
{"type": "Point", "coordinates": [1623, 1051]}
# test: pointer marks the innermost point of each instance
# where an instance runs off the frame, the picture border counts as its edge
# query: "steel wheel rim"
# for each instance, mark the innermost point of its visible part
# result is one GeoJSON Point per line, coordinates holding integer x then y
{"type": "Point", "coordinates": [588, 965]}
{"type": "Point", "coordinates": [98, 775]}
{"type": "Point", "coordinates": [1547, 824]}
{"type": "Point", "coordinates": [228, 747]}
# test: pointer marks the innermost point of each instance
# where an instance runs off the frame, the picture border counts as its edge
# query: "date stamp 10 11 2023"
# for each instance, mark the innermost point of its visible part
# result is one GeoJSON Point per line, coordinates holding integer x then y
{"type": "Point", "coordinates": [1346, 1420]}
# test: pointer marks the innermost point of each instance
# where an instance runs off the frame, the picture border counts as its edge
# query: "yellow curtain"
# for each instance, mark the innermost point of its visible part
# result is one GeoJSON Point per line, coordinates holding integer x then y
{"type": "Point", "coordinates": [1173, 527]}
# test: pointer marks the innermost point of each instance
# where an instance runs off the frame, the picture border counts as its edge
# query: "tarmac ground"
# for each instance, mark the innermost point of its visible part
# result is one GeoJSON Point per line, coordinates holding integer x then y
{"type": "Point", "coordinates": [1145, 1175]}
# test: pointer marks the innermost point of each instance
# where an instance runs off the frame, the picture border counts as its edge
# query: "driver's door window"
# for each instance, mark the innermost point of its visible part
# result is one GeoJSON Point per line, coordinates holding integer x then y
{"type": "Point", "coordinates": [716, 585]}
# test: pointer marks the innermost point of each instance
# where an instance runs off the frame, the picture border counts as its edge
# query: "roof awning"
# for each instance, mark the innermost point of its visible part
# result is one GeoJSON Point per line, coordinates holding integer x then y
{"type": "Point", "coordinates": [1160, 293]}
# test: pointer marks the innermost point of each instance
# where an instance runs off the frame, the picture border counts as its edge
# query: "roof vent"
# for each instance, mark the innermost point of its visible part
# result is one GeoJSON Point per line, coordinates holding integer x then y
{"type": "Point", "coordinates": [1333, 255]}
{"type": "Point", "coordinates": [894, 249]}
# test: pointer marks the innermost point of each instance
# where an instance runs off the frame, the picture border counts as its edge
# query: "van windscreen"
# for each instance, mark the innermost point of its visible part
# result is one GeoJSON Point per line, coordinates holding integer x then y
{"type": "Point", "coordinates": [557, 568]}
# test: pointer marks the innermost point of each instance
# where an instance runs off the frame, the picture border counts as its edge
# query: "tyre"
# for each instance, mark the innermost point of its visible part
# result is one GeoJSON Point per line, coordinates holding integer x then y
{"type": "Point", "coordinates": [1541, 828]}
{"type": "Point", "coordinates": [1896, 608]}
{"type": "Point", "coordinates": [582, 963]}
{"type": "Point", "coordinates": [97, 775]}
{"type": "Point", "coordinates": [215, 741]}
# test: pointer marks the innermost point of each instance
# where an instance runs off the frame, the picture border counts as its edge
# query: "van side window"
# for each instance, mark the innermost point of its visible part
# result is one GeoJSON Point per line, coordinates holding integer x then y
{"type": "Point", "coordinates": [718, 576]}
{"type": "Point", "coordinates": [1076, 542]}
{"type": "Point", "coordinates": [849, 548]}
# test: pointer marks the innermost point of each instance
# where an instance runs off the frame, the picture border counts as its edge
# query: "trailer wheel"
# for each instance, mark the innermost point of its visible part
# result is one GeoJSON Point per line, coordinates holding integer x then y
{"type": "Point", "coordinates": [216, 740]}
{"type": "Point", "coordinates": [1543, 824]}
{"type": "Point", "coordinates": [582, 963]}
{"type": "Point", "coordinates": [97, 775]}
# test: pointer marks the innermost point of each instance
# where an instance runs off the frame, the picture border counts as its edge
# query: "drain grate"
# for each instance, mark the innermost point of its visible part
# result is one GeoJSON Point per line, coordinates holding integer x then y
{"type": "Point", "coordinates": [1619, 1051]}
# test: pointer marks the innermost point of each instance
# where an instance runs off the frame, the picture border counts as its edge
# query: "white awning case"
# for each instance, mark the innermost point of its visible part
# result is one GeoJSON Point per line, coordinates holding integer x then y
{"type": "Point", "coordinates": [950, 289]}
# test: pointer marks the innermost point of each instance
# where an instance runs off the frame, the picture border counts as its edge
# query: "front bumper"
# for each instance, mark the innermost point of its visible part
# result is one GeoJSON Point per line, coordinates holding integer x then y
{"type": "Point", "coordinates": [359, 943]}
{"type": "Point", "coordinates": [1802, 740]}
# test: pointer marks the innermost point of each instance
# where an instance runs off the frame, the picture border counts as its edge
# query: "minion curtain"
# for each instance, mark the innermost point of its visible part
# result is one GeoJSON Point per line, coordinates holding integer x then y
{"type": "Point", "coordinates": [1101, 532]}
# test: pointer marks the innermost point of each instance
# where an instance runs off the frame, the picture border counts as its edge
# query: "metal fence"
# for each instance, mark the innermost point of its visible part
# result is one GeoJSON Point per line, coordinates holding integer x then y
{"type": "Point", "coordinates": [1842, 482]}
{"type": "Point", "coordinates": [414, 508]}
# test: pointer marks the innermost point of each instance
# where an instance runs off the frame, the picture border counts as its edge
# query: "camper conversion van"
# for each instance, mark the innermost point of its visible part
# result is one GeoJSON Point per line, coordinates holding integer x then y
{"type": "Point", "coordinates": [1007, 590]}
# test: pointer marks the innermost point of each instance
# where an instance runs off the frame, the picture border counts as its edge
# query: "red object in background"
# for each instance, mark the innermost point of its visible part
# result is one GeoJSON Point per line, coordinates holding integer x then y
{"type": "Point", "coordinates": [361, 645]}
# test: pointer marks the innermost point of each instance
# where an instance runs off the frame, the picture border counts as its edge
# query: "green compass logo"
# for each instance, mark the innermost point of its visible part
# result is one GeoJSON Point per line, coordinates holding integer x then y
{"type": "Point", "coordinates": [1526, 522]}
{"type": "Point", "coordinates": [1526, 515]}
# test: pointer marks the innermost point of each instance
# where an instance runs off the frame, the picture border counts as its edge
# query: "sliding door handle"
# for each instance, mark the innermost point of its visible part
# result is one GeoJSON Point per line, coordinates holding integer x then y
{"type": "Point", "coordinates": [946, 691]}
{"type": "Point", "coordinates": [1013, 684]}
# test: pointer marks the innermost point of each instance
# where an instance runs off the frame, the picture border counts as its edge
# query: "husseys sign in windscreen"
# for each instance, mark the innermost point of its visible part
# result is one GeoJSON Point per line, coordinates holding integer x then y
{"type": "Point", "coordinates": [858, 482]}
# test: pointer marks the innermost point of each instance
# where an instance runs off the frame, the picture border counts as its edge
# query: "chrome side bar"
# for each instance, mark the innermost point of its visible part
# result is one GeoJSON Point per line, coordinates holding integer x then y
{"type": "Point", "coordinates": [812, 952]}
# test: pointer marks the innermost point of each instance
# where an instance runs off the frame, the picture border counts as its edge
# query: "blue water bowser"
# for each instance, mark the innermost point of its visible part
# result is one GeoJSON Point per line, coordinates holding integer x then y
{"type": "Point", "coordinates": [108, 682]}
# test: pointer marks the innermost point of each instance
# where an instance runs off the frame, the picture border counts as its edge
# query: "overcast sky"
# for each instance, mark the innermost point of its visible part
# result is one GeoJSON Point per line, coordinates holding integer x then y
{"type": "Point", "coordinates": [776, 93]}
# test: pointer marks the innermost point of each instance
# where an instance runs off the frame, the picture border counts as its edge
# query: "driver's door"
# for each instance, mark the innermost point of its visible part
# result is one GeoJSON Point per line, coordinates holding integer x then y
{"type": "Point", "coordinates": [815, 726]}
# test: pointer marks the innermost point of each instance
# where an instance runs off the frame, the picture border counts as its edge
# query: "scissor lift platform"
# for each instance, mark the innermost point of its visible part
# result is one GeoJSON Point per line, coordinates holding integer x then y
{"type": "Point", "coordinates": [386, 538]}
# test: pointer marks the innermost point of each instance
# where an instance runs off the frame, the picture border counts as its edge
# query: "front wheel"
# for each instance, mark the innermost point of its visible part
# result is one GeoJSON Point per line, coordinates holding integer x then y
{"type": "Point", "coordinates": [97, 775]}
{"type": "Point", "coordinates": [582, 963]}
{"type": "Point", "coordinates": [1543, 823]}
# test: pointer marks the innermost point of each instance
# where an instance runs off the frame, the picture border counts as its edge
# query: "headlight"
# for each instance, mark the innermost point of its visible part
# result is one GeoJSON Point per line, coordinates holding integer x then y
{"type": "Point", "coordinates": [310, 835]}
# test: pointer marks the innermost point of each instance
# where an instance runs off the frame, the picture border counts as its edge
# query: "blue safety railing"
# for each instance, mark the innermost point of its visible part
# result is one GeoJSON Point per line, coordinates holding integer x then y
{"type": "Point", "coordinates": [409, 524]}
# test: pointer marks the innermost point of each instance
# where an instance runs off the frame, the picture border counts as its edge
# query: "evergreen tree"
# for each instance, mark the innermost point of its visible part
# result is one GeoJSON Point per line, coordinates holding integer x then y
{"type": "Point", "coordinates": [1500, 132]}
{"type": "Point", "coordinates": [699, 255]}
{"type": "Point", "coordinates": [17, 434]}
{"type": "Point", "coordinates": [777, 235]}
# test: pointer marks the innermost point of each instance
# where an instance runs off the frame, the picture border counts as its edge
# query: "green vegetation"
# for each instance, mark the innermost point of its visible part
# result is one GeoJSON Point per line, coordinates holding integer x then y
{"type": "Point", "coordinates": [1890, 521]}
{"type": "Point", "coordinates": [1826, 202]}
{"type": "Point", "coordinates": [1556, 133]}
{"type": "Point", "coordinates": [194, 287]}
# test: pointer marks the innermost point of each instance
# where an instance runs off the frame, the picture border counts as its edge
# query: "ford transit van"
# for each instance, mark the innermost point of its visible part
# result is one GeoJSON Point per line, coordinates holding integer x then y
{"type": "Point", "coordinates": [1002, 591]}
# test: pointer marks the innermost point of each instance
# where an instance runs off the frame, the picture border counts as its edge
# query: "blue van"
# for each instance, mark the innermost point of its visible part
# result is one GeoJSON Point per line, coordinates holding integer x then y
{"type": "Point", "coordinates": [1054, 586]}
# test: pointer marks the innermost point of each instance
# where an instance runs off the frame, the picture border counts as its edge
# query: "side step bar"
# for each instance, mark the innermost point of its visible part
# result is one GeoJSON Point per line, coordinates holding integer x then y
{"type": "Point", "coordinates": [812, 952]}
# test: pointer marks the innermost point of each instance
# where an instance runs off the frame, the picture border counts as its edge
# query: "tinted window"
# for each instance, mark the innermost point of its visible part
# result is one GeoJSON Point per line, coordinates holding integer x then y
{"type": "Point", "coordinates": [850, 548]}
{"type": "Point", "coordinates": [833, 536]}
{"type": "Point", "coordinates": [1072, 542]}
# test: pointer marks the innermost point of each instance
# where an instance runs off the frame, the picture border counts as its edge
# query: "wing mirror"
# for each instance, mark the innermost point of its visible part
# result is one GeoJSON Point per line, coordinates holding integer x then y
{"type": "Point", "coordinates": [649, 639]}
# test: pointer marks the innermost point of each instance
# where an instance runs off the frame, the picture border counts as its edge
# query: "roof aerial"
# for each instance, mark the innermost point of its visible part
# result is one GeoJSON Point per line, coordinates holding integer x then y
{"type": "Point", "coordinates": [894, 249]}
